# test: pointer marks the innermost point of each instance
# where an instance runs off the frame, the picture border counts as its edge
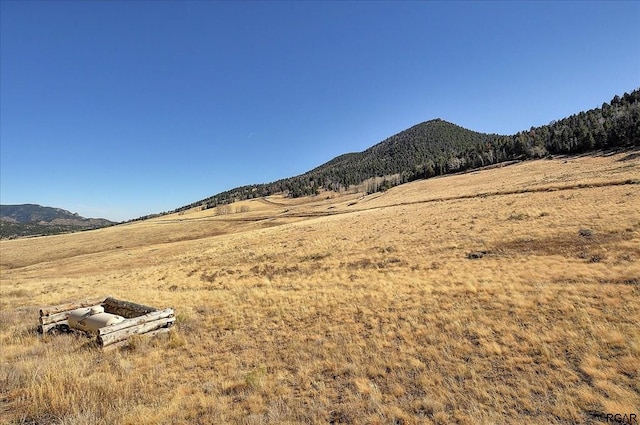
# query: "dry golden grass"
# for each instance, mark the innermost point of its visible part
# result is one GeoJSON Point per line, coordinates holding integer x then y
{"type": "Point", "coordinates": [350, 309]}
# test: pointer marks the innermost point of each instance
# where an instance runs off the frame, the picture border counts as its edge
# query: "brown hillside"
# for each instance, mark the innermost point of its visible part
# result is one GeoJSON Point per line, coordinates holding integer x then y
{"type": "Point", "coordinates": [350, 308]}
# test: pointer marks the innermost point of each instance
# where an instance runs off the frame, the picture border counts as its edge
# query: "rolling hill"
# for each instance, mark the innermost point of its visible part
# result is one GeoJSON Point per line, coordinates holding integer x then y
{"type": "Point", "coordinates": [503, 295]}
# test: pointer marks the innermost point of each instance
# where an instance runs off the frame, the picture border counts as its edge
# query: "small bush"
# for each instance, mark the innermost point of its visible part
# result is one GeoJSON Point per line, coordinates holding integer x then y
{"type": "Point", "coordinates": [518, 216]}
{"type": "Point", "coordinates": [175, 340]}
{"type": "Point", "coordinates": [476, 254]}
{"type": "Point", "coordinates": [255, 378]}
{"type": "Point", "coordinates": [585, 233]}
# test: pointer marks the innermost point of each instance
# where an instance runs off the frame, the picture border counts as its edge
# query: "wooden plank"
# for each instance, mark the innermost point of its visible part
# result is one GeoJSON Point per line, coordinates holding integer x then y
{"type": "Point", "coordinates": [45, 320]}
{"type": "Point", "coordinates": [125, 343]}
{"type": "Point", "coordinates": [149, 317]}
{"type": "Point", "coordinates": [126, 309]}
{"type": "Point", "coordinates": [113, 337]}
{"type": "Point", "coordinates": [48, 311]}
{"type": "Point", "coordinates": [43, 329]}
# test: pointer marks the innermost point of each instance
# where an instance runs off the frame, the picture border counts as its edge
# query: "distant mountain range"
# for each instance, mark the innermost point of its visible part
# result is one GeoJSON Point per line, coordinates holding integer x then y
{"type": "Point", "coordinates": [34, 220]}
{"type": "Point", "coordinates": [439, 147]}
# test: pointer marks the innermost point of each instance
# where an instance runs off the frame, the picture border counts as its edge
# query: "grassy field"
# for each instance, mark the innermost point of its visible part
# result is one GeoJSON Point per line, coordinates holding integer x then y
{"type": "Point", "coordinates": [345, 308]}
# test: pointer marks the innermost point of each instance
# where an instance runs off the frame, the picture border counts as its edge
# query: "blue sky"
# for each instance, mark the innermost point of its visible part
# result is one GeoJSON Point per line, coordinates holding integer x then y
{"type": "Point", "coordinates": [120, 109]}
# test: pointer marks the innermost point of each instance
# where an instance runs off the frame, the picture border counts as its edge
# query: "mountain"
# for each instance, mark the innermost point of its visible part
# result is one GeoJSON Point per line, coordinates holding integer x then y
{"type": "Point", "coordinates": [431, 146]}
{"type": "Point", "coordinates": [32, 220]}
{"type": "Point", "coordinates": [439, 147]}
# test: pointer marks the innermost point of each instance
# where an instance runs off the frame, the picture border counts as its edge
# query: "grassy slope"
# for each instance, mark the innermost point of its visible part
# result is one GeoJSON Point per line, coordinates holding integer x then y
{"type": "Point", "coordinates": [354, 309]}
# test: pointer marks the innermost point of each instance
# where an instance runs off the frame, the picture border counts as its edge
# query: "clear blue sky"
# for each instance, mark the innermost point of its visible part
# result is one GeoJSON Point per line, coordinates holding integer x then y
{"type": "Point", "coordinates": [120, 109]}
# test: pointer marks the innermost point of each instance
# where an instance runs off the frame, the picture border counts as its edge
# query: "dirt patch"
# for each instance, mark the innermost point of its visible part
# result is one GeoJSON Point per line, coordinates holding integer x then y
{"type": "Point", "coordinates": [584, 244]}
{"type": "Point", "coordinates": [367, 263]}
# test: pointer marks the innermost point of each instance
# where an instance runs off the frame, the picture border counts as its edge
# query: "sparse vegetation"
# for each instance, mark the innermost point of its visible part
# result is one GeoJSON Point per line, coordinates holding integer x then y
{"type": "Point", "coordinates": [368, 312]}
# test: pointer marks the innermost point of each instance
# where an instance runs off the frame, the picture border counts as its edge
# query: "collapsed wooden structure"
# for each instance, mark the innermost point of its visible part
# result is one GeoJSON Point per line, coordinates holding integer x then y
{"type": "Point", "coordinates": [129, 319]}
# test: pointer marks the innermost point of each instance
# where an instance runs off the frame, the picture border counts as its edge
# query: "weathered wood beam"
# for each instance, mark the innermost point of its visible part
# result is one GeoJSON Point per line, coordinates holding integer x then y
{"type": "Point", "coordinates": [48, 311]}
{"type": "Point", "coordinates": [126, 309]}
{"type": "Point", "coordinates": [43, 329]}
{"type": "Point", "coordinates": [45, 320]}
{"type": "Point", "coordinates": [126, 342]}
{"type": "Point", "coordinates": [108, 339]}
{"type": "Point", "coordinates": [149, 317]}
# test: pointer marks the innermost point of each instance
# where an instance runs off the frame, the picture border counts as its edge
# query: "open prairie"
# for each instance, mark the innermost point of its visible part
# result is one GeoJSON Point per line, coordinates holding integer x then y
{"type": "Point", "coordinates": [346, 308]}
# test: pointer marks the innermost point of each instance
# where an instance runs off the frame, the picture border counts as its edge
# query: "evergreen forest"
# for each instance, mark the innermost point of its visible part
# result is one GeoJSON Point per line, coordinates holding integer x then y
{"type": "Point", "coordinates": [438, 147]}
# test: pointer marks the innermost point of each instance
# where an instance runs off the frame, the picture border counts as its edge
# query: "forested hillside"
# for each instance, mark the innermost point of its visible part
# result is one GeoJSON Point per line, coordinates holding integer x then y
{"type": "Point", "coordinates": [438, 147]}
{"type": "Point", "coordinates": [31, 220]}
